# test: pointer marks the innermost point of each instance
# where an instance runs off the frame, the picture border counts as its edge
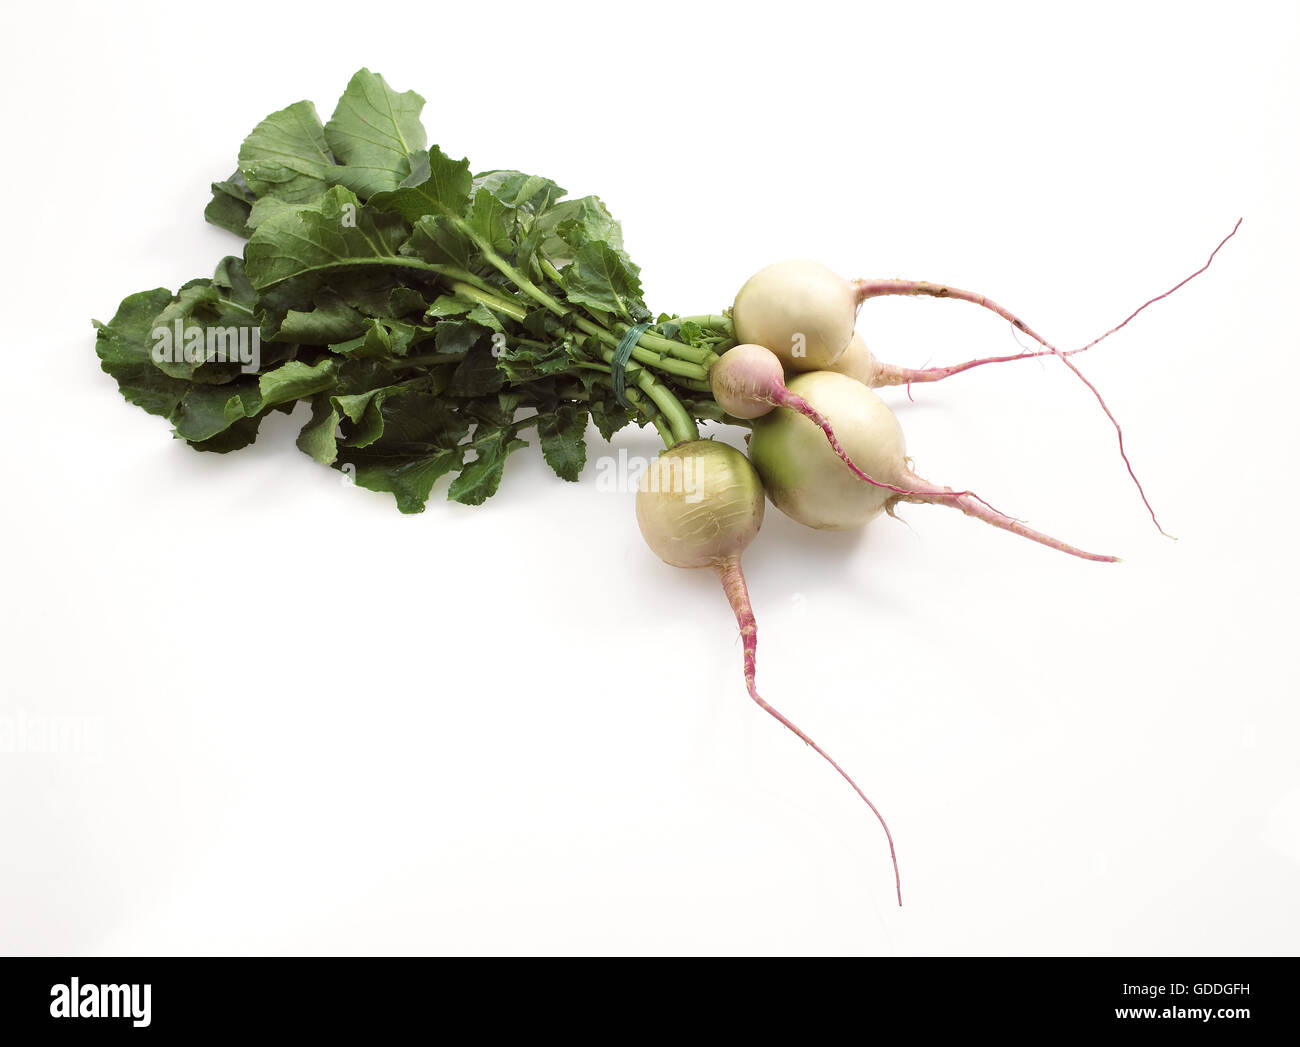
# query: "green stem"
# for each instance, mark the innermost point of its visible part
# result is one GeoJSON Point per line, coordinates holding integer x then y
{"type": "Point", "coordinates": [667, 364]}
{"type": "Point", "coordinates": [661, 346]}
{"type": "Point", "coordinates": [549, 270]}
{"type": "Point", "coordinates": [634, 397]}
{"type": "Point", "coordinates": [678, 418]}
{"type": "Point", "coordinates": [491, 300]}
{"type": "Point", "coordinates": [695, 385]}
{"type": "Point", "coordinates": [463, 277]}
{"type": "Point", "coordinates": [387, 261]}
{"type": "Point", "coordinates": [662, 427]}
{"type": "Point", "coordinates": [509, 271]}
{"type": "Point", "coordinates": [692, 375]}
{"type": "Point", "coordinates": [713, 321]}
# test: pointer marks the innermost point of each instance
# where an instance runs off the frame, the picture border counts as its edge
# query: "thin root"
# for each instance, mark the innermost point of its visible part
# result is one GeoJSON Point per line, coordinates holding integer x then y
{"type": "Point", "coordinates": [890, 375]}
{"type": "Point", "coordinates": [971, 505]}
{"type": "Point", "coordinates": [733, 584]}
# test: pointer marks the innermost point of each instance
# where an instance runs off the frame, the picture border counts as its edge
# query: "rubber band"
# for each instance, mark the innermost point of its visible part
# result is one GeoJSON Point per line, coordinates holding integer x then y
{"type": "Point", "coordinates": [621, 356]}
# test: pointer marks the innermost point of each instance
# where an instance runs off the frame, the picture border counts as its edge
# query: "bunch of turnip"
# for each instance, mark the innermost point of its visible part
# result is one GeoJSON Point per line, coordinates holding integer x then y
{"type": "Point", "coordinates": [425, 316]}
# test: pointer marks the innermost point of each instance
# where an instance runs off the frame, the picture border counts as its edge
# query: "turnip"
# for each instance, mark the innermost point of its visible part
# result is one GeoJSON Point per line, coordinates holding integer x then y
{"type": "Point", "coordinates": [748, 381]}
{"type": "Point", "coordinates": [700, 504]}
{"type": "Point", "coordinates": [800, 310]}
{"type": "Point", "coordinates": [809, 482]}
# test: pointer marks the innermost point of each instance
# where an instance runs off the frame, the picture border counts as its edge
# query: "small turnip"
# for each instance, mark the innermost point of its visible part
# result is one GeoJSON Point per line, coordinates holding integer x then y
{"type": "Point", "coordinates": [809, 482]}
{"type": "Point", "coordinates": [700, 504]}
{"type": "Point", "coordinates": [748, 381]}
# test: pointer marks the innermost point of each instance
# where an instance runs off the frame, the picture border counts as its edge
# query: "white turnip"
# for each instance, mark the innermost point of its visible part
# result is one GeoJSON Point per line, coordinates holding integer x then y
{"type": "Point", "coordinates": [800, 310]}
{"type": "Point", "coordinates": [700, 504]}
{"type": "Point", "coordinates": [809, 482]}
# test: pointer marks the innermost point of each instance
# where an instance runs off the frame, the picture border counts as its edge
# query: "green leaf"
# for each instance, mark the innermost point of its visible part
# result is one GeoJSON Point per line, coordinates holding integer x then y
{"type": "Point", "coordinates": [403, 301]}
{"type": "Point", "coordinates": [146, 322]}
{"type": "Point", "coordinates": [454, 305]}
{"type": "Point", "coordinates": [373, 131]}
{"type": "Point", "coordinates": [689, 333]}
{"type": "Point", "coordinates": [378, 292]}
{"type": "Point", "coordinates": [365, 412]}
{"type": "Point", "coordinates": [319, 437]}
{"type": "Point", "coordinates": [238, 436]}
{"type": "Point", "coordinates": [571, 224]}
{"type": "Point", "coordinates": [496, 412]}
{"type": "Point", "coordinates": [408, 477]}
{"type": "Point", "coordinates": [438, 240]}
{"type": "Point", "coordinates": [602, 279]}
{"type": "Point", "coordinates": [333, 320]}
{"type": "Point", "coordinates": [287, 156]}
{"type": "Point", "coordinates": [493, 221]}
{"type": "Point", "coordinates": [477, 374]}
{"type": "Point", "coordinates": [527, 363]}
{"type": "Point", "coordinates": [205, 334]}
{"type": "Point", "coordinates": [185, 349]}
{"type": "Point", "coordinates": [480, 479]}
{"type": "Point", "coordinates": [609, 418]}
{"type": "Point", "coordinates": [268, 206]}
{"type": "Point", "coordinates": [386, 339]}
{"type": "Point", "coordinates": [230, 205]}
{"type": "Point", "coordinates": [338, 234]}
{"type": "Point", "coordinates": [563, 437]}
{"type": "Point", "coordinates": [355, 376]}
{"type": "Point", "coordinates": [208, 410]}
{"type": "Point", "coordinates": [407, 437]}
{"type": "Point", "coordinates": [516, 189]}
{"type": "Point", "coordinates": [124, 346]}
{"type": "Point", "coordinates": [437, 185]}
{"type": "Point", "coordinates": [590, 221]}
{"type": "Point", "coordinates": [403, 417]}
{"type": "Point", "coordinates": [295, 380]}
{"type": "Point", "coordinates": [232, 280]}
{"type": "Point", "coordinates": [455, 336]}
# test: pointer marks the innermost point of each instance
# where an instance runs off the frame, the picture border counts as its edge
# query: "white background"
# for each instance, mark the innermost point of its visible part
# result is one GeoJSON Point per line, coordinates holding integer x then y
{"type": "Point", "coordinates": [314, 725]}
